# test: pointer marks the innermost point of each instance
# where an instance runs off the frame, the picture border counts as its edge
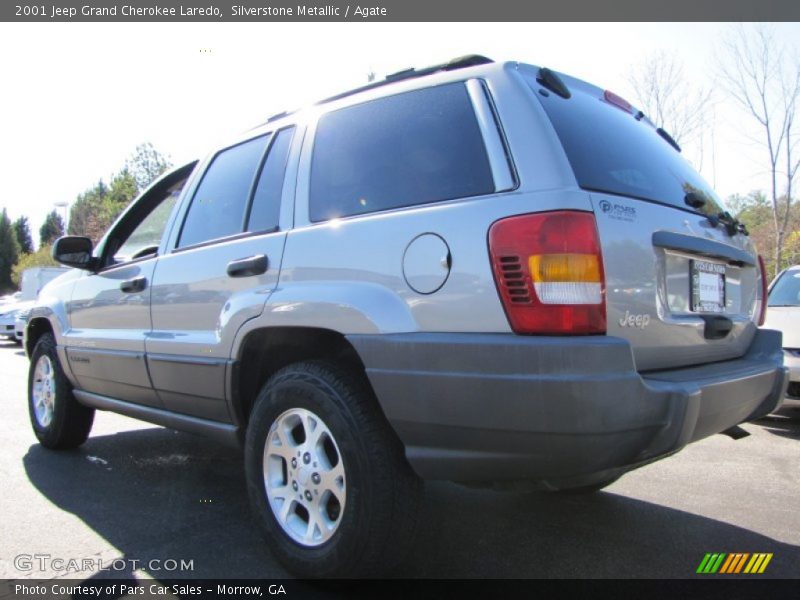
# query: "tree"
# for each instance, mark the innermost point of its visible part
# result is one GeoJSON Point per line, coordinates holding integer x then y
{"type": "Point", "coordinates": [51, 229]}
{"type": "Point", "coordinates": [145, 165]}
{"type": "Point", "coordinates": [87, 210]}
{"type": "Point", "coordinates": [755, 211]}
{"type": "Point", "coordinates": [9, 250]}
{"type": "Point", "coordinates": [23, 232]}
{"type": "Point", "coordinates": [763, 78]}
{"type": "Point", "coordinates": [667, 98]}
{"type": "Point", "coordinates": [95, 210]}
{"type": "Point", "coordinates": [41, 258]}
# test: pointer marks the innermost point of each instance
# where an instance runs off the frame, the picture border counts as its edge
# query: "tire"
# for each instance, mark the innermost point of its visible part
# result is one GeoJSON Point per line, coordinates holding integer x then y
{"type": "Point", "coordinates": [367, 498]}
{"type": "Point", "coordinates": [58, 420]}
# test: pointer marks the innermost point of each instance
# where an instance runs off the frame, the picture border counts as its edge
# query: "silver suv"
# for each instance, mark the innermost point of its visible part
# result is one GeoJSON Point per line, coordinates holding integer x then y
{"type": "Point", "coordinates": [487, 273]}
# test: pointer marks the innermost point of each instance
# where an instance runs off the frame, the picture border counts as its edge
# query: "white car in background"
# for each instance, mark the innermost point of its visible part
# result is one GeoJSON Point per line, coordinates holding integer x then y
{"type": "Point", "coordinates": [8, 318]}
{"type": "Point", "coordinates": [783, 314]}
{"type": "Point", "coordinates": [33, 280]}
{"type": "Point", "coordinates": [9, 298]}
{"type": "Point", "coordinates": [20, 323]}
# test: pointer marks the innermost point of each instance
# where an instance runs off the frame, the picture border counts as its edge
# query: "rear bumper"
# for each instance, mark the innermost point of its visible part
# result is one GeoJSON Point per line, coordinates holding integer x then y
{"type": "Point", "coordinates": [563, 411]}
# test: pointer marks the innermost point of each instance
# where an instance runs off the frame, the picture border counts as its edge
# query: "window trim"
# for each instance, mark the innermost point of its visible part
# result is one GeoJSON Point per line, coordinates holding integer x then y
{"type": "Point", "coordinates": [497, 150]}
{"type": "Point", "coordinates": [228, 238]}
{"type": "Point", "coordinates": [262, 165]}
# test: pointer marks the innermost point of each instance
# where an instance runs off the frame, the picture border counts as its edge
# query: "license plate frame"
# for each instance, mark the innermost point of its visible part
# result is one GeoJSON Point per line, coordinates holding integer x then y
{"type": "Point", "coordinates": [707, 286]}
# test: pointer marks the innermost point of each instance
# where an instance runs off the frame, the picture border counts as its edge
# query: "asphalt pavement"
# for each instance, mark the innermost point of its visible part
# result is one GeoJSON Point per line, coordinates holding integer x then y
{"type": "Point", "coordinates": [137, 496]}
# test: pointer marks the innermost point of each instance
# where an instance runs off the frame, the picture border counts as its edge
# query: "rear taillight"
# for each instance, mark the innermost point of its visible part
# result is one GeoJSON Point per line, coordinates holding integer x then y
{"type": "Point", "coordinates": [763, 314]}
{"type": "Point", "coordinates": [548, 268]}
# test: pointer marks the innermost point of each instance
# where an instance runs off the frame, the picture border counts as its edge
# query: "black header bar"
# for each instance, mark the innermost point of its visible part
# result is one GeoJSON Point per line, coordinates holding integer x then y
{"type": "Point", "coordinates": [398, 10]}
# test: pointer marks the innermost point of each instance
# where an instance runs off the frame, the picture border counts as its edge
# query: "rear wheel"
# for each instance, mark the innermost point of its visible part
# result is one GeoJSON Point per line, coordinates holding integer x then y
{"type": "Point", "coordinates": [327, 476]}
{"type": "Point", "coordinates": [58, 420]}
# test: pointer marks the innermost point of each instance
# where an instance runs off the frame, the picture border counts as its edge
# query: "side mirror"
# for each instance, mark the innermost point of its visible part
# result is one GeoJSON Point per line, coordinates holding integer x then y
{"type": "Point", "coordinates": [74, 251]}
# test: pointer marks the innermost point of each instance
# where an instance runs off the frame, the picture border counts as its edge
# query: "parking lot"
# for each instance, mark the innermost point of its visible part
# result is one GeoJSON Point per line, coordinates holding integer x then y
{"type": "Point", "coordinates": [143, 493]}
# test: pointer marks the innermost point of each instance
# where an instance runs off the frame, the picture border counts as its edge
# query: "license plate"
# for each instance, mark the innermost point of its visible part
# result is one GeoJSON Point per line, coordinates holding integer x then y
{"type": "Point", "coordinates": [708, 286]}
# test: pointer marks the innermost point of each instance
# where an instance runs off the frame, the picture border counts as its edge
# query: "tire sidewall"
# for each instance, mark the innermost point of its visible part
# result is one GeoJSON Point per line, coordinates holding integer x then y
{"type": "Point", "coordinates": [314, 394]}
{"type": "Point", "coordinates": [49, 435]}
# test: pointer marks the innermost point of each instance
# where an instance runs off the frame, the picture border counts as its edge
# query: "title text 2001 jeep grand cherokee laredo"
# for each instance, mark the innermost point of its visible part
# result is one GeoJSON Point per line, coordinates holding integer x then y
{"type": "Point", "coordinates": [487, 273]}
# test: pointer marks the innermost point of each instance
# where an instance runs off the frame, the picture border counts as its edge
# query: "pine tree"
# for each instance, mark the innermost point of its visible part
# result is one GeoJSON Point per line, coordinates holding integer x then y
{"type": "Point", "coordinates": [52, 229]}
{"type": "Point", "coordinates": [22, 229]}
{"type": "Point", "coordinates": [9, 251]}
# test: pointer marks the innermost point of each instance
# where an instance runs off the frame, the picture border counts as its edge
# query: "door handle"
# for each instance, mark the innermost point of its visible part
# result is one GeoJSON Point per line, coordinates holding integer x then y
{"type": "Point", "coordinates": [131, 286]}
{"type": "Point", "coordinates": [247, 267]}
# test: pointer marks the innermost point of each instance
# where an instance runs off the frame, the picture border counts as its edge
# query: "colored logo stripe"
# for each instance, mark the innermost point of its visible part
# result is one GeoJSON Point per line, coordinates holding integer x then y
{"type": "Point", "coordinates": [734, 563]}
{"type": "Point", "coordinates": [710, 563]}
{"type": "Point", "coordinates": [758, 563]}
{"type": "Point", "coordinates": [720, 562]}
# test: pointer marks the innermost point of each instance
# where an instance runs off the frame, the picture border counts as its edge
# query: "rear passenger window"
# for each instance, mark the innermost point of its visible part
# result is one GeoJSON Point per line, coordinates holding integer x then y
{"type": "Point", "coordinates": [412, 148]}
{"type": "Point", "coordinates": [218, 207]}
{"type": "Point", "coordinates": [266, 208]}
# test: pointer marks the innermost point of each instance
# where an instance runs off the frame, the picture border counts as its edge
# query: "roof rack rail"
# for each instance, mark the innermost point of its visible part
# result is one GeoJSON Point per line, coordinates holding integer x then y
{"type": "Point", "coordinates": [461, 62]}
{"type": "Point", "coordinates": [274, 117]}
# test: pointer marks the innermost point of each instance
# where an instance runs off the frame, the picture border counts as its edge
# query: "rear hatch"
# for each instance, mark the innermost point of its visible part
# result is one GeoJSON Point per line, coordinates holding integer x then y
{"type": "Point", "coordinates": [681, 285]}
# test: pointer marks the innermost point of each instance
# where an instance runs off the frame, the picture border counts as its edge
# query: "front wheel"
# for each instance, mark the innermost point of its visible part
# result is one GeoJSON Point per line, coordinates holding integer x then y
{"type": "Point", "coordinates": [327, 476]}
{"type": "Point", "coordinates": [58, 420]}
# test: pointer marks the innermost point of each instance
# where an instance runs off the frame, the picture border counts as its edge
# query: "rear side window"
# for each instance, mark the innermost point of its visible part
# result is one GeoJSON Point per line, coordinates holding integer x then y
{"type": "Point", "coordinates": [413, 148]}
{"type": "Point", "coordinates": [218, 206]}
{"type": "Point", "coordinates": [266, 208]}
{"type": "Point", "coordinates": [611, 151]}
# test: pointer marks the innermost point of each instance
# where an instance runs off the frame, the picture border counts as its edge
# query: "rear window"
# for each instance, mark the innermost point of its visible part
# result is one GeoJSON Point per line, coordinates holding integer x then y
{"type": "Point", "coordinates": [786, 291]}
{"type": "Point", "coordinates": [412, 148]}
{"type": "Point", "coordinates": [611, 151]}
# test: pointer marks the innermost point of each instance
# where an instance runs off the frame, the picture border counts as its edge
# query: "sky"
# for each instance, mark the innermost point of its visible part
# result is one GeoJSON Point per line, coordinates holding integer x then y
{"type": "Point", "coordinates": [77, 98]}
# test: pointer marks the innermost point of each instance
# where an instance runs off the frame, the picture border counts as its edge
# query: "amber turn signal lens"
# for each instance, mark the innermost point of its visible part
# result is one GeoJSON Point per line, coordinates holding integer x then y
{"type": "Point", "coordinates": [551, 268]}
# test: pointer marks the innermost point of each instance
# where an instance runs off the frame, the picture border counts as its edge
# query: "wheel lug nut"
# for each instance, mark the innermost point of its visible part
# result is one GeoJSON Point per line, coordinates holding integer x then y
{"type": "Point", "coordinates": [315, 478]}
{"type": "Point", "coordinates": [308, 495]}
{"type": "Point", "coordinates": [294, 463]}
{"type": "Point", "coordinates": [306, 458]}
{"type": "Point", "coordinates": [294, 486]}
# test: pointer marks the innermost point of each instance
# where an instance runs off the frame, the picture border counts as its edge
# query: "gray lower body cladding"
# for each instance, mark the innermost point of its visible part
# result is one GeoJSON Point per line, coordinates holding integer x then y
{"type": "Point", "coordinates": [563, 410]}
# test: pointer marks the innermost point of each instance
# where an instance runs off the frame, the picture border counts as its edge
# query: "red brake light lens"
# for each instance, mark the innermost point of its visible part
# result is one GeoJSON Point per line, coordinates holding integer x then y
{"type": "Point", "coordinates": [617, 101]}
{"type": "Point", "coordinates": [548, 268]}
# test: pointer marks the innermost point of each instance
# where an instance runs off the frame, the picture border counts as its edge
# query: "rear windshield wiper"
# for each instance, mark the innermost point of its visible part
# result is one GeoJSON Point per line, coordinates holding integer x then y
{"type": "Point", "coordinates": [731, 223]}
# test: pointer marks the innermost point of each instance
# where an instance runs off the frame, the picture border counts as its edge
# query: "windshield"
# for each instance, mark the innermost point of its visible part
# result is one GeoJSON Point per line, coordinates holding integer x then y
{"type": "Point", "coordinates": [612, 151]}
{"type": "Point", "coordinates": [786, 291]}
